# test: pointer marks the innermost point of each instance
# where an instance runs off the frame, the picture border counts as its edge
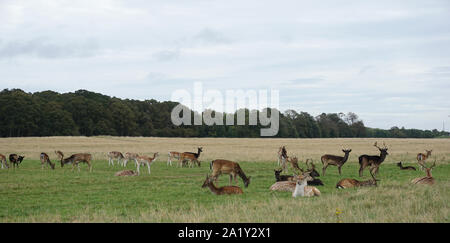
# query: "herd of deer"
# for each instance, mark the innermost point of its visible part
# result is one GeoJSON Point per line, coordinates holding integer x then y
{"type": "Point", "coordinates": [302, 183]}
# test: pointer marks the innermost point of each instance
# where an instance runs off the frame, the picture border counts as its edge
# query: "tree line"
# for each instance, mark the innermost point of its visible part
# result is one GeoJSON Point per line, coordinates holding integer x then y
{"type": "Point", "coordinates": [85, 113]}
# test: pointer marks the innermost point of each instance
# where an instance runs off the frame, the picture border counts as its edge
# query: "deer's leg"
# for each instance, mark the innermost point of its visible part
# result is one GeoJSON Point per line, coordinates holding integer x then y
{"type": "Point", "coordinates": [361, 168]}
{"type": "Point", "coordinates": [231, 178]}
{"type": "Point", "coordinates": [148, 167]}
{"type": "Point", "coordinates": [339, 169]}
{"type": "Point", "coordinates": [324, 168]}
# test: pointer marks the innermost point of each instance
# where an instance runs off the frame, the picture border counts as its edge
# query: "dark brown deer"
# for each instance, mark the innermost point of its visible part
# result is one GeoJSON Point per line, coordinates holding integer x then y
{"type": "Point", "coordinates": [220, 166]}
{"type": "Point", "coordinates": [279, 177]}
{"type": "Point", "coordinates": [114, 155]}
{"type": "Point", "coordinates": [338, 161]}
{"type": "Point", "coordinates": [373, 161]}
{"type": "Point", "coordinates": [311, 169]}
{"type": "Point", "coordinates": [282, 157]}
{"type": "Point", "coordinates": [75, 159]}
{"type": "Point", "coordinates": [349, 183]}
{"type": "Point", "coordinates": [229, 190]}
{"type": "Point", "coordinates": [421, 158]}
{"type": "Point", "coordinates": [427, 180]}
{"type": "Point", "coordinates": [15, 160]}
{"type": "Point", "coordinates": [399, 164]}
{"type": "Point", "coordinates": [3, 161]}
{"type": "Point", "coordinates": [45, 160]}
{"type": "Point", "coordinates": [191, 157]}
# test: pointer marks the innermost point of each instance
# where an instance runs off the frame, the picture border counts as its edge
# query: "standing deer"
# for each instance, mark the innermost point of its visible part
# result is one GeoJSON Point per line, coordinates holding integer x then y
{"type": "Point", "coordinates": [15, 160]}
{"type": "Point", "coordinates": [114, 155]}
{"type": "Point", "coordinates": [46, 160]}
{"type": "Point", "coordinates": [282, 155]}
{"type": "Point", "coordinates": [191, 157]}
{"type": "Point", "coordinates": [372, 161]}
{"type": "Point", "coordinates": [130, 156]}
{"type": "Point", "coordinates": [338, 161]}
{"type": "Point", "coordinates": [303, 190]}
{"type": "Point", "coordinates": [349, 183]}
{"type": "Point", "coordinates": [421, 158]}
{"type": "Point", "coordinates": [3, 161]}
{"type": "Point", "coordinates": [75, 159]}
{"type": "Point", "coordinates": [399, 164]}
{"type": "Point", "coordinates": [220, 166]}
{"type": "Point", "coordinates": [172, 155]}
{"type": "Point", "coordinates": [229, 190]}
{"type": "Point", "coordinates": [427, 180]}
{"type": "Point", "coordinates": [141, 160]}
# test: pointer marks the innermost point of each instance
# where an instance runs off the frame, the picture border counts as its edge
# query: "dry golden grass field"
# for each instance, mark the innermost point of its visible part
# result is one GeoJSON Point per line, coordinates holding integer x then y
{"type": "Point", "coordinates": [170, 194]}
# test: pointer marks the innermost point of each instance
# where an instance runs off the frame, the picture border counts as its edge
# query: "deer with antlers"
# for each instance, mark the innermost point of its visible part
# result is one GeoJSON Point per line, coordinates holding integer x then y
{"type": "Point", "coordinates": [114, 155]}
{"type": "Point", "coordinates": [373, 161]}
{"type": "Point", "coordinates": [426, 180]}
{"type": "Point", "coordinates": [45, 159]}
{"type": "Point", "coordinates": [191, 157]}
{"type": "Point", "coordinates": [75, 159]}
{"type": "Point", "coordinates": [3, 161]}
{"type": "Point", "coordinates": [349, 183]}
{"type": "Point", "coordinates": [221, 166]}
{"type": "Point", "coordinates": [173, 155]}
{"type": "Point", "coordinates": [146, 160]}
{"type": "Point", "coordinates": [289, 186]}
{"type": "Point", "coordinates": [225, 190]}
{"type": "Point", "coordinates": [334, 160]}
{"type": "Point", "coordinates": [421, 158]}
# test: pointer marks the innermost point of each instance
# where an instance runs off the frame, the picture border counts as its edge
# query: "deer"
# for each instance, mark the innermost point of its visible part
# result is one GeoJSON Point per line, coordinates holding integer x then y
{"type": "Point", "coordinates": [399, 164]}
{"type": "Point", "coordinates": [289, 186]}
{"type": "Point", "coordinates": [221, 166]}
{"type": "Point", "coordinates": [294, 163]}
{"type": "Point", "coordinates": [141, 160]}
{"type": "Point", "coordinates": [303, 190]}
{"type": "Point", "coordinates": [172, 155]}
{"type": "Point", "coordinates": [114, 155]}
{"type": "Point", "coordinates": [75, 159]}
{"type": "Point", "coordinates": [426, 180]}
{"type": "Point", "coordinates": [126, 173]}
{"type": "Point", "coordinates": [46, 160]}
{"type": "Point", "coordinates": [349, 183]}
{"type": "Point", "coordinates": [421, 158]}
{"type": "Point", "coordinates": [15, 160]}
{"type": "Point", "coordinates": [192, 157]}
{"type": "Point", "coordinates": [228, 190]}
{"type": "Point", "coordinates": [282, 155]}
{"type": "Point", "coordinates": [334, 160]}
{"type": "Point", "coordinates": [279, 177]}
{"type": "Point", "coordinates": [130, 156]}
{"type": "Point", "coordinates": [312, 170]}
{"type": "Point", "coordinates": [4, 162]}
{"type": "Point", "coordinates": [372, 161]}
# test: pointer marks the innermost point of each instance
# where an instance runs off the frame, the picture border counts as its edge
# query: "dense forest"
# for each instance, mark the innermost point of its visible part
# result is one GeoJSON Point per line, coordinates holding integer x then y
{"type": "Point", "coordinates": [85, 113]}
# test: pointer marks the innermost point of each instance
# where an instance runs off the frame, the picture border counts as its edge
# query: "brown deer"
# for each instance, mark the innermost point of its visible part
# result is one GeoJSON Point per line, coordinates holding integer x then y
{"type": "Point", "coordinates": [349, 183]}
{"type": "Point", "coordinates": [75, 159]}
{"type": "Point", "coordinates": [289, 186]}
{"type": "Point", "coordinates": [427, 180]}
{"type": "Point", "coordinates": [421, 158]}
{"type": "Point", "coordinates": [372, 161]}
{"type": "Point", "coordinates": [399, 164]}
{"type": "Point", "coordinates": [338, 161]}
{"type": "Point", "coordinates": [311, 170]}
{"type": "Point", "coordinates": [15, 160]}
{"type": "Point", "coordinates": [130, 156]}
{"type": "Point", "coordinates": [126, 173]}
{"type": "Point", "coordinates": [279, 177]}
{"type": "Point", "coordinates": [172, 155]}
{"type": "Point", "coordinates": [294, 163]}
{"type": "Point", "coordinates": [114, 155]}
{"type": "Point", "coordinates": [3, 161]}
{"type": "Point", "coordinates": [191, 157]}
{"type": "Point", "coordinates": [141, 160]}
{"type": "Point", "coordinates": [229, 190]}
{"type": "Point", "coordinates": [282, 156]}
{"type": "Point", "coordinates": [220, 166]}
{"type": "Point", "coordinates": [46, 160]}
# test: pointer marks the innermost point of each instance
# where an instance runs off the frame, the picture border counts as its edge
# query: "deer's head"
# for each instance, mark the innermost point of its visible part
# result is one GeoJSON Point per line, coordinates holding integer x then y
{"type": "Point", "coordinates": [312, 170]}
{"type": "Point", "coordinates": [347, 151]}
{"type": "Point", "coordinates": [383, 150]}
{"type": "Point", "coordinates": [206, 182]}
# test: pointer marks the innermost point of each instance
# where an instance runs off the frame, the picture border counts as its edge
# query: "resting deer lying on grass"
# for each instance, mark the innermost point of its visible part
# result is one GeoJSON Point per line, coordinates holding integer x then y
{"type": "Point", "coordinates": [141, 160]}
{"type": "Point", "coordinates": [221, 190]}
{"type": "Point", "coordinates": [399, 164]}
{"type": "Point", "coordinates": [349, 183]}
{"type": "Point", "coordinates": [421, 158]}
{"type": "Point", "coordinates": [289, 186]}
{"type": "Point", "coordinates": [15, 160]}
{"type": "Point", "coordinates": [221, 166]}
{"type": "Point", "coordinates": [3, 161]}
{"type": "Point", "coordinates": [302, 190]}
{"type": "Point", "coordinates": [427, 180]}
{"type": "Point", "coordinates": [46, 160]}
{"type": "Point", "coordinates": [126, 173]}
{"type": "Point", "coordinates": [75, 159]}
{"type": "Point", "coordinates": [338, 161]}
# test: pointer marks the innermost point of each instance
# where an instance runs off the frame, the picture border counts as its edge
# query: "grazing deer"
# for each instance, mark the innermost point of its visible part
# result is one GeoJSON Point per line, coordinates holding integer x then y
{"type": "Point", "coordinates": [303, 190]}
{"type": "Point", "coordinates": [126, 173]}
{"type": "Point", "coordinates": [173, 155]}
{"type": "Point", "coordinates": [46, 160]}
{"type": "Point", "coordinates": [191, 157]}
{"type": "Point", "coordinates": [349, 183]}
{"type": "Point", "coordinates": [3, 161]}
{"type": "Point", "coordinates": [427, 180]}
{"type": "Point", "coordinates": [146, 160]}
{"type": "Point", "coordinates": [114, 155]}
{"type": "Point", "coordinates": [221, 190]}
{"type": "Point", "coordinates": [421, 158]}
{"type": "Point", "coordinates": [220, 166]}
{"type": "Point", "coordinates": [130, 156]}
{"type": "Point", "coordinates": [75, 159]}
{"type": "Point", "coordinates": [372, 161]}
{"type": "Point", "coordinates": [399, 164]}
{"type": "Point", "coordinates": [338, 161]}
{"type": "Point", "coordinates": [15, 160]}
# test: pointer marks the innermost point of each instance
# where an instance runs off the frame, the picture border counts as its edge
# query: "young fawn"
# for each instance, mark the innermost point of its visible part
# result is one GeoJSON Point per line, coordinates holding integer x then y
{"type": "Point", "coordinates": [221, 190]}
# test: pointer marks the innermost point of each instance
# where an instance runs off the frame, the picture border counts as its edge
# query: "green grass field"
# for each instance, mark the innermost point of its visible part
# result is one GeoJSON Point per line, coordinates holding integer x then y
{"type": "Point", "coordinates": [170, 194]}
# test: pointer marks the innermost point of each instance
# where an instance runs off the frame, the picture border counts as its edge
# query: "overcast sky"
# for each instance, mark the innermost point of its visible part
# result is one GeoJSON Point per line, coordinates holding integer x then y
{"type": "Point", "coordinates": [387, 61]}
